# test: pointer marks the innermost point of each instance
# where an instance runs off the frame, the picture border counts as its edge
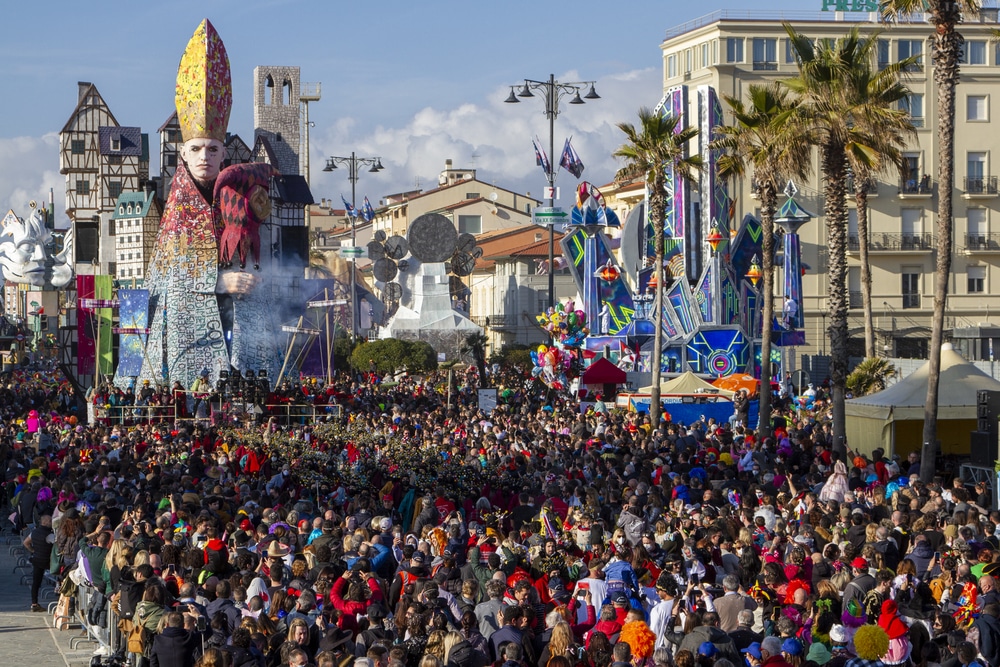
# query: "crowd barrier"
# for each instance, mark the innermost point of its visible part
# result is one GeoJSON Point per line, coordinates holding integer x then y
{"type": "Point", "coordinates": [89, 612]}
{"type": "Point", "coordinates": [210, 409]}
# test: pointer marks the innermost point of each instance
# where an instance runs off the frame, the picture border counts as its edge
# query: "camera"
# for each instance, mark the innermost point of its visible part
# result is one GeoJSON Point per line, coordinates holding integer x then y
{"type": "Point", "coordinates": [201, 624]}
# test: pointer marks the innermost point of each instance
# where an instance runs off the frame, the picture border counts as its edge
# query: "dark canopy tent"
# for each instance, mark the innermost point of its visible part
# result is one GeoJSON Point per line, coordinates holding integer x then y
{"type": "Point", "coordinates": [603, 372]}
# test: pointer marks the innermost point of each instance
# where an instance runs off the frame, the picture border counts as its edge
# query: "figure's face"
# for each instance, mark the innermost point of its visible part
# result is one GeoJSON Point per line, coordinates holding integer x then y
{"type": "Point", "coordinates": [204, 158]}
{"type": "Point", "coordinates": [26, 256]}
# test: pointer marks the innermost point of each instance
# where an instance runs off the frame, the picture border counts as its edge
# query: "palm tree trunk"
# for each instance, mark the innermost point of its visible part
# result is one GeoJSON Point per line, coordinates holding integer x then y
{"type": "Point", "coordinates": [861, 197]}
{"type": "Point", "coordinates": [657, 212]}
{"type": "Point", "coordinates": [768, 206]}
{"type": "Point", "coordinates": [835, 211]}
{"type": "Point", "coordinates": [947, 44]}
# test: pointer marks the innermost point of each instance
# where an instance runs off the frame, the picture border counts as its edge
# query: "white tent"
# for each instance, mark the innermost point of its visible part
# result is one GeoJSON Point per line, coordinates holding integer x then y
{"type": "Point", "coordinates": [688, 383]}
{"type": "Point", "coordinates": [894, 419]}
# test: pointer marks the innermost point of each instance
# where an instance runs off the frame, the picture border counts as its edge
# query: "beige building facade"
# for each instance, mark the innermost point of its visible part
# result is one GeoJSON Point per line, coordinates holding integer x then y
{"type": "Point", "coordinates": [730, 51]}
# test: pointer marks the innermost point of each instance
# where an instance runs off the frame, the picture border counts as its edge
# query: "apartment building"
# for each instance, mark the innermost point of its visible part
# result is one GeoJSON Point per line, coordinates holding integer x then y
{"type": "Point", "coordinates": [731, 50]}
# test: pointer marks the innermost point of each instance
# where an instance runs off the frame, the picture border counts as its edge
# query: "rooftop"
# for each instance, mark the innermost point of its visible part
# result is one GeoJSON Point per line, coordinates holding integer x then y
{"type": "Point", "coordinates": [987, 14]}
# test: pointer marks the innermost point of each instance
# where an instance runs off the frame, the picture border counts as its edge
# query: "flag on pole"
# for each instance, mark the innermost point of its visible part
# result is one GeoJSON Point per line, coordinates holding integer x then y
{"type": "Point", "coordinates": [570, 161]}
{"type": "Point", "coordinates": [351, 211]}
{"type": "Point", "coordinates": [367, 212]}
{"type": "Point", "coordinates": [541, 159]}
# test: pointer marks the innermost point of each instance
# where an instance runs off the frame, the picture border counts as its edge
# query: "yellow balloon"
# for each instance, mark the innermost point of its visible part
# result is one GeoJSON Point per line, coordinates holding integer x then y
{"type": "Point", "coordinates": [542, 349]}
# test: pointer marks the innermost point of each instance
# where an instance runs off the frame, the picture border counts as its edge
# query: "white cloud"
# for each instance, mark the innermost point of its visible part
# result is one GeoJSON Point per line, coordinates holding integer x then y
{"type": "Point", "coordinates": [498, 134]}
{"type": "Point", "coordinates": [29, 166]}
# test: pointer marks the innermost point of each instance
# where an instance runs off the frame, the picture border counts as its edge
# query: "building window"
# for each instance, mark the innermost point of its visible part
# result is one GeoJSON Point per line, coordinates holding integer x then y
{"type": "Point", "coordinates": [765, 53]}
{"type": "Point", "coordinates": [77, 147]}
{"type": "Point", "coordinates": [116, 144]}
{"type": "Point", "coordinates": [911, 171]}
{"type": "Point", "coordinates": [976, 279]}
{"type": "Point", "coordinates": [470, 224]}
{"type": "Point", "coordinates": [883, 54]}
{"type": "Point", "coordinates": [974, 52]}
{"type": "Point", "coordinates": [734, 49]}
{"type": "Point", "coordinates": [911, 224]}
{"type": "Point", "coordinates": [83, 187]}
{"type": "Point", "coordinates": [171, 159]}
{"type": "Point", "coordinates": [975, 227]}
{"type": "Point", "coordinates": [704, 55]}
{"type": "Point", "coordinates": [111, 227]}
{"type": "Point", "coordinates": [913, 104]}
{"type": "Point", "coordinates": [472, 195]}
{"type": "Point", "coordinates": [687, 60]}
{"type": "Point", "coordinates": [911, 286]}
{"type": "Point", "coordinates": [114, 189]}
{"type": "Point", "coordinates": [976, 108]}
{"type": "Point", "coordinates": [671, 65]}
{"type": "Point", "coordinates": [908, 48]}
{"type": "Point", "coordinates": [975, 168]}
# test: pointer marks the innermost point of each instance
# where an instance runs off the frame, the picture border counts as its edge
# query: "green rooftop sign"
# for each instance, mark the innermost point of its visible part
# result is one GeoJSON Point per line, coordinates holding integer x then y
{"type": "Point", "coordinates": [850, 5]}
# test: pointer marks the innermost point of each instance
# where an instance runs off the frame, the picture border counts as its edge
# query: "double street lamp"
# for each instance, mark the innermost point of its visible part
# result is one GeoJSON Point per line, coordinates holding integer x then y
{"type": "Point", "coordinates": [354, 165]}
{"type": "Point", "coordinates": [552, 91]}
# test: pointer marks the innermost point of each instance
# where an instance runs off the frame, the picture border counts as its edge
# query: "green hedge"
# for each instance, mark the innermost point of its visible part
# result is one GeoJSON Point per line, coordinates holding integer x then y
{"type": "Point", "coordinates": [391, 355]}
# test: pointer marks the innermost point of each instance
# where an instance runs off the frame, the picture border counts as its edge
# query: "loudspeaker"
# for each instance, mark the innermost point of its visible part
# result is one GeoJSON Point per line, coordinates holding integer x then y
{"type": "Point", "coordinates": [983, 445]}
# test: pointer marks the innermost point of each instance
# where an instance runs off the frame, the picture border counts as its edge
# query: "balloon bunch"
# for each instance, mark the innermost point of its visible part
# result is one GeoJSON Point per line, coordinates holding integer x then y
{"type": "Point", "coordinates": [567, 326]}
{"type": "Point", "coordinates": [551, 365]}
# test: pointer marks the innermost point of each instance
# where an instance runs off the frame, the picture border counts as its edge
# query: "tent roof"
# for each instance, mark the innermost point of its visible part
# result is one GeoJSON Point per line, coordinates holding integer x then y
{"type": "Point", "coordinates": [960, 381]}
{"type": "Point", "coordinates": [737, 382]}
{"type": "Point", "coordinates": [689, 383]}
{"type": "Point", "coordinates": [603, 371]}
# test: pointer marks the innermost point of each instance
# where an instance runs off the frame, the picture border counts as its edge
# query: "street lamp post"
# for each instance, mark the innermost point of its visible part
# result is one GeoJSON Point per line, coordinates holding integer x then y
{"type": "Point", "coordinates": [552, 91]}
{"type": "Point", "coordinates": [354, 164]}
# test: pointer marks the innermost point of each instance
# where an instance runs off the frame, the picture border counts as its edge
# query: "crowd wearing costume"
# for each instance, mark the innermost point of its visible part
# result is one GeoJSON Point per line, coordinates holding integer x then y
{"type": "Point", "coordinates": [398, 533]}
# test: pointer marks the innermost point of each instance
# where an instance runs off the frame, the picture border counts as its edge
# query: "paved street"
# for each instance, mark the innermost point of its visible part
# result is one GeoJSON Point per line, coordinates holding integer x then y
{"type": "Point", "coordinates": [27, 638]}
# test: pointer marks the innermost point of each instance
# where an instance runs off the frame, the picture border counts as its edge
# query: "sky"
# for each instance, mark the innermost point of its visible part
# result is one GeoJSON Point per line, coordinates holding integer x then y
{"type": "Point", "coordinates": [413, 83]}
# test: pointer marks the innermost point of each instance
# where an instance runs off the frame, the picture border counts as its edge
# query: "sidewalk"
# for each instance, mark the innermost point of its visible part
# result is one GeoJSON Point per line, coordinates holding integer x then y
{"type": "Point", "coordinates": [27, 638]}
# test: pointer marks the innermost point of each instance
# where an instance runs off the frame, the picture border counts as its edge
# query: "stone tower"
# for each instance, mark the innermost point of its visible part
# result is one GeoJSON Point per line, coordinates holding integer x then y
{"type": "Point", "coordinates": [276, 113]}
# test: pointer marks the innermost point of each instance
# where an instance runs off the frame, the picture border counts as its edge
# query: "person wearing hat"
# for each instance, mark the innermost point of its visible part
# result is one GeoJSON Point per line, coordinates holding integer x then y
{"type": "Point", "coordinates": [792, 650]}
{"type": "Point", "coordinates": [862, 582]}
{"type": "Point", "coordinates": [752, 653]}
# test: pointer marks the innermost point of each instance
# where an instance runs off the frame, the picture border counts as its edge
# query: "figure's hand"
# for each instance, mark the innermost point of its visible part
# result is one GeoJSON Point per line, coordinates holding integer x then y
{"type": "Point", "coordinates": [236, 282]}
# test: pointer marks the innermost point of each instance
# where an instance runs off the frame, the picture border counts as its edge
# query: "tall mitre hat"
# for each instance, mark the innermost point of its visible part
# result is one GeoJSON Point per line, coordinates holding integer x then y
{"type": "Point", "coordinates": [204, 93]}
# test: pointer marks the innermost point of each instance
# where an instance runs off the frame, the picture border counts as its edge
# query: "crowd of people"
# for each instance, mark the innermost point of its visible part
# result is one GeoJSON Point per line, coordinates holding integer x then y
{"type": "Point", "coordinates": [401, 532]}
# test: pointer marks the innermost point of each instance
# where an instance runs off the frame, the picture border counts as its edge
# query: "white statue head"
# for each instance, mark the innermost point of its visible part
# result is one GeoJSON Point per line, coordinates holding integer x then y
{"type": "Point", "coordinates": [204, 158]}
{"type": "Point", "coordinates": [26, 253]}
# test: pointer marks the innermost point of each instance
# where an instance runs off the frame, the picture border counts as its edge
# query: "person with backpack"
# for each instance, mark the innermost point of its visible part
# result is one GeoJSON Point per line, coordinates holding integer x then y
{"type": "Point", "coordinates": [39, 544]}
{"type": "Point", "coordinates": [631, 521]}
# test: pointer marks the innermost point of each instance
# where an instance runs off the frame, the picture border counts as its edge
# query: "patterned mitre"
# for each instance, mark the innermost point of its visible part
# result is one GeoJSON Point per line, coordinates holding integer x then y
{"type": "Point", "coordinates": [204, 93]}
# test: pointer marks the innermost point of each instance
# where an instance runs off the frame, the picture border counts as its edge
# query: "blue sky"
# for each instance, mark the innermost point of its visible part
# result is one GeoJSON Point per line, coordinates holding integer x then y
{"type": "Point", "coordinates": [412, 83]}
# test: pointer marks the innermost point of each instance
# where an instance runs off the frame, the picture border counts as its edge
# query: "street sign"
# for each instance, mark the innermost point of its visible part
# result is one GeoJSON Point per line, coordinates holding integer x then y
{"type": "Point", "coordinates": [355, 252]}
{"type": "Point", "coordinates": [549, 215]}
{"type": "Point", "coordinates": [550, 192]}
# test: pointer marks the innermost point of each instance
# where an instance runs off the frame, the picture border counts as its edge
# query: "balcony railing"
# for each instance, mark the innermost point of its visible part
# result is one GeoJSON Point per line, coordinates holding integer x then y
{"type": "Point", "coordinates": [911, 300]}
{"type": "Point", "coordinates": [765, 66]}
{"type": "Point", "coordinates": [982, 185]}
{"type": "Point", "coordinates": [871, 187]}
{"type": "Point", "coordinates": [504, 321]}
{"type": "Point", "coordinates": [982, 242]}
{"type": "Point", "coordinates": [893, 243]}
{"type": "Point", "coordinates": [912, 186]}
{"type": "Point", "coordinates": [855, 300]}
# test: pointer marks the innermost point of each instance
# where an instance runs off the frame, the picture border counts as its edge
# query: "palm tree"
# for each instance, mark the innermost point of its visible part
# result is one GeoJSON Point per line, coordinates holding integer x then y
{"type": "Point", "coordinates": [870, 376]}
{"type": "Point", "coordinates": [474, 346]}
{"type": "Point", "coordinates": [891, 129]}
{"type": "Point", "coordinates": [944, 15]}
{"type": "Point", "coordinates": [767, 138]}
{"type": "Point", "coordinates": [840, 102]}
{"type": "Point", "coordinates": [657, 143]}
